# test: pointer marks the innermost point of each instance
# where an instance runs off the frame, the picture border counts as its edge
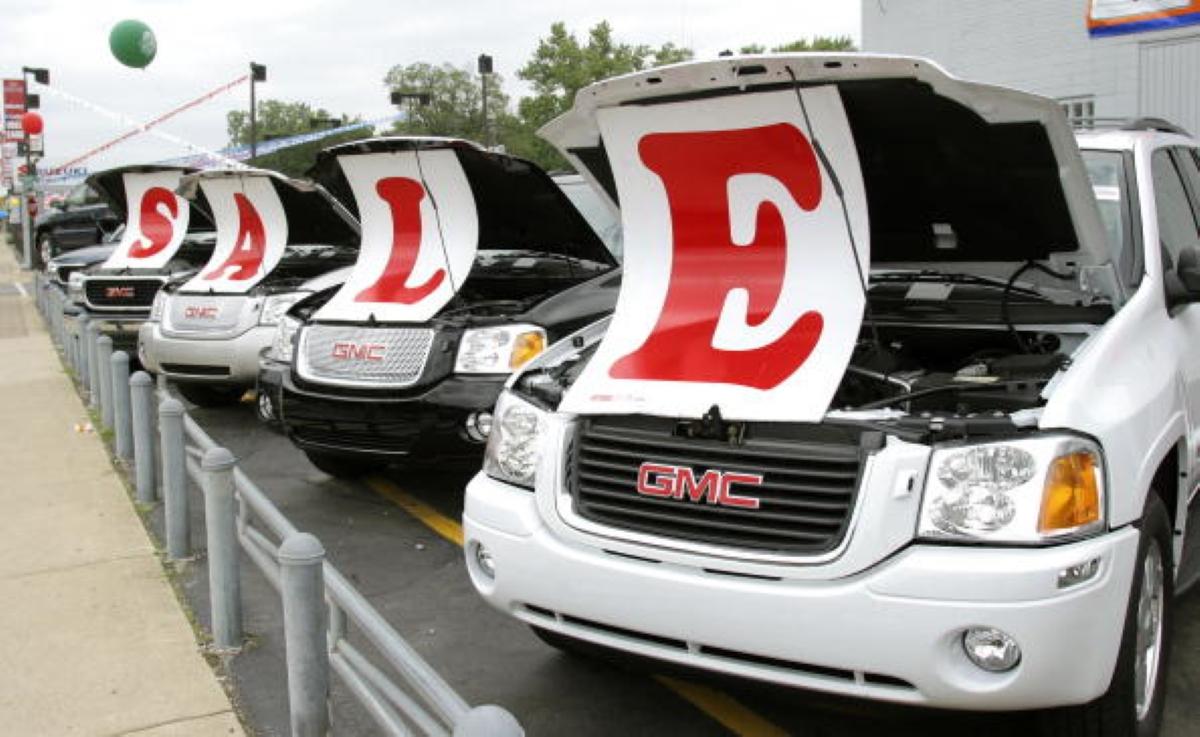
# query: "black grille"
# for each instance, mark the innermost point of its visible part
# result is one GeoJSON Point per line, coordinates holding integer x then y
{"type": "Point", "coordinates": [392, 440]}
{"type": "Point", "coordinates": [810, 475]}
{"type": "Point", "coordinates": [118, 292]}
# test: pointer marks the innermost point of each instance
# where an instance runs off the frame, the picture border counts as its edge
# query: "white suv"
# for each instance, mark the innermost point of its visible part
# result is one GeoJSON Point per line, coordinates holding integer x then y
{"type": "Point", "coordinates": [888, 406]}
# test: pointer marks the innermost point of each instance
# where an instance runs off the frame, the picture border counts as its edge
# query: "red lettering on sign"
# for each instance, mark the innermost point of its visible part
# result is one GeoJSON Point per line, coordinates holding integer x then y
{"type": "Point", "coordinates": [200, 313]}
{"type": "Point", "coordinates": [250, 247]}
{"type": "Point", "coordinates": [357, 352]}
{"type": "Point", "coordinates": [157, 227]}
{"type": "Point", "coordinates": [403, 197]}
{"type": "Point", "coordinates": [714, 487]}
{"type": "Point", "coordinates": [119, 292]}
{"type": "Point", "coordinates": [706, 265]}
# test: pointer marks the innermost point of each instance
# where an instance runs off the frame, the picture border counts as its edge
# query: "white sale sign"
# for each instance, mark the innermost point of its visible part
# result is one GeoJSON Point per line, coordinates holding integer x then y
{"type": "Point", "coordinates": [252, 232]}
{"type": "Point", "coordinates": [156, 222]}
{"type": "Point", "coordinates": [741, 286]}
{"type": "Point", "coordinates": [420, 233]}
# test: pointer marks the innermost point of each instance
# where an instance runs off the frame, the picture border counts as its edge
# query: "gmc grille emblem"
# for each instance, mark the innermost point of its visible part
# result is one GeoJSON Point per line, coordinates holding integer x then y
{"type": "Point", "coordinates": [714, 486]}
{"type": "Point", "coordinates": [118, 292]}
{"type": "Point", "coordinates": [200, 313]}
{"type": "Point", "coordinates": [357, 352]}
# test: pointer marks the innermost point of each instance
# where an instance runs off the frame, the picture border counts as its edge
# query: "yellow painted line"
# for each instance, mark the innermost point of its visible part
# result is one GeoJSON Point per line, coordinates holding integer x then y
{"type": "Point", "coordinates": [427, 515]}
{"type": "Point", "coordinates": [722, 708]}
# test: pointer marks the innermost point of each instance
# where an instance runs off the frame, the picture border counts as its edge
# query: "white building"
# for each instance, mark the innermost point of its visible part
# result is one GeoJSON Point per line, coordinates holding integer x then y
{"type": "Point", "coordinates": [1044, 46]}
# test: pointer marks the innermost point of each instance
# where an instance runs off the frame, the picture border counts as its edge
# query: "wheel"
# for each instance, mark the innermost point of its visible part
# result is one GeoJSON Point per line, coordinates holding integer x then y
{"type": "Point", "coordinates": [45, 250]}
{"type": "Point", "coordinates": [342, 467]}
{"type": "Point", "coordinates": [1133, 704]}
{"type": "Point", "coordinates": [204, 395]}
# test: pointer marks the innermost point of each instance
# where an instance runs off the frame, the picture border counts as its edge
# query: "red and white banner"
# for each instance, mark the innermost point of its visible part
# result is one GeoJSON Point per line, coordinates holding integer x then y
{"type": "Point", "coordinates": [741, 287]}
{"type": "Point", "coordinates": [252, 232]}
{"type": "Point", "coordinates": [156, 222]}
{"type": "Point", "coordinates": [420, 232]}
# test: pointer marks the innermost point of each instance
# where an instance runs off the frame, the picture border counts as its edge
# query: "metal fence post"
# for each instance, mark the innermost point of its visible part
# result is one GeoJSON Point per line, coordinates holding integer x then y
{"type": "Point", "coordinates": [220, 519]}
{"type": "Point", "coordinates": [141, 396]}
{"type": "Point", "coordinates": [84, 377]}
{"type": "Point", "coordinates": [122, 417]}
{"type": "Point", "coordinates": [93, 367]}
{"type": "Point", "coordinates": [104, 358]}
{"type": "Point", "coordinates": [174, 479]}
{"type": "Point", "coordinates": [302, 585]}
{"type": "Point", "coordinates": [488, 720]}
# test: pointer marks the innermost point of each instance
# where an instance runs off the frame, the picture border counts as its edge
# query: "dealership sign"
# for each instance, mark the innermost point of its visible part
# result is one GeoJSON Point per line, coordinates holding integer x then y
{"type": "Point", "coordinates": [1116, 17]}
{"type": "Point", "coordinates": [742, 284]}
{"type": "Point", "coordinates": [420, 232]}
{"type": "Point", "coordinates": [156, 221]}
{"type": "Point", "coordinates": [252, 232]}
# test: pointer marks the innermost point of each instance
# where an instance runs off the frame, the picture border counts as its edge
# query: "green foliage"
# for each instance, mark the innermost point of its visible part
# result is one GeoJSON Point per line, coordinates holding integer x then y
{"type": "Point", "coordinates": [279, 119]}
{"type": "Point", "coordinates": [455, 105]}
{"type": "Point", "coordinates": [816, 43]}
{"type": "Point", "coordinates": [561, 66]}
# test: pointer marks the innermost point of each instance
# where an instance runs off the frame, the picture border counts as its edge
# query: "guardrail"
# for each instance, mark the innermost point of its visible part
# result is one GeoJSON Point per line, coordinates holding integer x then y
{"type": "Point", "coordinates": [319, 605]}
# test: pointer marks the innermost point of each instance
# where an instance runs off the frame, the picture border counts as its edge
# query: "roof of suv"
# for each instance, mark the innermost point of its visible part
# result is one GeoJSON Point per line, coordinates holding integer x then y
{"type": "Point", "coordinates": [1118, 139]}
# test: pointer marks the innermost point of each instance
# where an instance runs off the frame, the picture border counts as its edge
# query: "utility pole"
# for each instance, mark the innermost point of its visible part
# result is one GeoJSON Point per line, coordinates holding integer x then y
{"type": "Point", "coordinates": [29, 193]}
{"type": "Point", "coordinates": [258, 73]}
{"type": "Point", "coordinates": [485, 70]}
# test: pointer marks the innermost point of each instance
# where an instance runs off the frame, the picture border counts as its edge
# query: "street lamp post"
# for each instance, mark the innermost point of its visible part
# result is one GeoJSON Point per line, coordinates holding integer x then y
{"type": "Point", "coordinates": [485, 71]}
{"type": "Point", "coordinates": [417, 96]}
{"type": "Point", "coordinates": [258, 73]}
{"type": "Point", "coordinates": [41, 76]}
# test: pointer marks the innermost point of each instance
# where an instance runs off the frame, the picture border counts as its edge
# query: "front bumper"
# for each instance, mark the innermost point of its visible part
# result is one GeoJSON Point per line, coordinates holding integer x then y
{"type": "Point", "coordinates": [891, 632]}
{"type": "Point", "coordinates": [231, 361]}
{"type": "Point", "coordinates": [385, 426]}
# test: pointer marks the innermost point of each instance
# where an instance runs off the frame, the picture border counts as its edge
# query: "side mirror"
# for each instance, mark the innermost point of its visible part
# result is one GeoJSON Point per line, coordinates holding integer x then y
{"type": "Point", "coordinates": [1183, 282]}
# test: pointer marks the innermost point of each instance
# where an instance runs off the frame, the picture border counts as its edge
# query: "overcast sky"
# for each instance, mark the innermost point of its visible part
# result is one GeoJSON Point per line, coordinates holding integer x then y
{"type": "Point", "coordinates": [332, 55]}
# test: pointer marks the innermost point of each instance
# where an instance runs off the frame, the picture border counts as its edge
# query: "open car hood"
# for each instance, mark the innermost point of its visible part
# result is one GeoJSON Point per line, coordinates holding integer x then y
{"type": "Point", "coordinates": [954, 171]}
{"type": "Point", "coordinates": [757, 193]}
{"type": "Point", "coordinates": [258, 214]}
{"type": "Point", "coordinates": [432, 210]}
{"type": "Point", "coordinates": [110, 185]}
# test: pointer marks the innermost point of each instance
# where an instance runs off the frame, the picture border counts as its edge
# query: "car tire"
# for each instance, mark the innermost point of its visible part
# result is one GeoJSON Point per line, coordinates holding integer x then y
{"type": "Point", "coordinates": [1120, 712]}
{"type": "Point", "coordinates": [203, 395]}
{"type": "Point", "coordinates": [342, 467]}
{"type": "Point", "coordinates": [45, 250]}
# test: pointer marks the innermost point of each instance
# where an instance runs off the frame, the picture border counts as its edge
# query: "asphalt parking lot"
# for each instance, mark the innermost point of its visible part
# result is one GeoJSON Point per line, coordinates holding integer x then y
{"type": "Point", "coordinates": [382, 533]}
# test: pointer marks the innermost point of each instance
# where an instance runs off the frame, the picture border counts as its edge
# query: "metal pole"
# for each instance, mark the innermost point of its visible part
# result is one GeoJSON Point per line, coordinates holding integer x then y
{"type": "Point", "coordinates": [141, 391]}
{"type": "Point", "coordinates": [488, 720]}
{"type": "Point", "coordinates": [253, 117]}
{"type": "Point", "coordinates": [93, 361]}
{"type": "Point", "coordinates": [220, 519]}
{"type": "Point", "coordinates": [27, 217]}
{"type": "Point", "coordinates": [174, 478]}
{"type": "Point", "coordinates": [85, 378]}
{"type": "Point", "coordinates": [486, 142]}
{"type": "Point", "coordinates": [122, 419]}
{"type": "Point", "coordinates": [301, 559]}
{"type": "Point", "coordinates": [104, 359]}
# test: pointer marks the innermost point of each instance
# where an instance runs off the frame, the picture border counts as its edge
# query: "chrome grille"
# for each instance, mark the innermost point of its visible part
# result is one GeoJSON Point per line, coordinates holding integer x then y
{"type": "Point", "coordinates": [361, 356]}
{"type": "Point", "coordinates": [198, 313]}
{"type": "Point", "coordinates": [809, 478]}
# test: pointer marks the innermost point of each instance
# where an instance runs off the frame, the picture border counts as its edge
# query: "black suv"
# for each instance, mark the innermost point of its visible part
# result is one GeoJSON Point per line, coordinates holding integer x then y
{"type": "Point", "coordinates": [83, 218]}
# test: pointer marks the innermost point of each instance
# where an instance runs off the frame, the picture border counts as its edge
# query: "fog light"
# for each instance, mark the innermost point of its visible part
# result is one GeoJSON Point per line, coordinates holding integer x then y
{"type": "Point", "coordinates": [991, 649]}
{"type": "Point", "coordinates": [483, 559]}
{"type": "Point", "coordinates": [479, 426]}
{"type": "Point", "coordinates": [1078, 573]}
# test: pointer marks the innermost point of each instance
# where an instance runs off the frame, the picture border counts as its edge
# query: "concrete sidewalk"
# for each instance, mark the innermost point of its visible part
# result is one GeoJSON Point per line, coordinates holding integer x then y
{"type": "Point", "coordinates": [92, 638]}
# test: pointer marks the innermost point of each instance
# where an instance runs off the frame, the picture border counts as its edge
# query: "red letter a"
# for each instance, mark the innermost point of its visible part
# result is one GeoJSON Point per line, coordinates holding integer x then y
{"type": "Point", "coordinates": [249, 249]}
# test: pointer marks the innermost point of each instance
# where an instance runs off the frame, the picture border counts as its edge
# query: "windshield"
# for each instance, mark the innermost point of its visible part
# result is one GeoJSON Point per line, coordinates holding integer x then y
{"type": "Point", "coordinates": [596, 213]}
{"type": "Point", "coordinates": [1106, 170]}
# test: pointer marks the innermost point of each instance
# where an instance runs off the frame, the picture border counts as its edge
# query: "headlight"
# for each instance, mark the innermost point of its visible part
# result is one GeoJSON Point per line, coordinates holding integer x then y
{"type": "Point", "coordinates": [277, 305]}
{"type": "Point", "coordinates": [1023, 491]}
{"type": "Point", "coordinates": [158, 306]}
{"type": "Point", "coordinates": [284, 342]}
{"type": "Point", "coordinates": [499, 350]}
{"type": "Point", "coordinates": [513, 448]}
{"type": "Point", "coordinates": [75, 287]}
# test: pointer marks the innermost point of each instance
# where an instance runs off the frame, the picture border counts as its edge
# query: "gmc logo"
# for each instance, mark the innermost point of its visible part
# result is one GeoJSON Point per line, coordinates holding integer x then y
{"type": "Point", "coordinates": [200, 313]}
{"type": "Point", "coordinates": [713, 487]}
{"type": "Point", "coordinates": [357, 352]}
{"type": "Point", "coordinates": [118, 292]}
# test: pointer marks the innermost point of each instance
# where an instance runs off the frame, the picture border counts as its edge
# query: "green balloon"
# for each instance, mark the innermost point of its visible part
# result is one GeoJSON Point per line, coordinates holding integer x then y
{"type": "Point", "coordinates": [133, 43]}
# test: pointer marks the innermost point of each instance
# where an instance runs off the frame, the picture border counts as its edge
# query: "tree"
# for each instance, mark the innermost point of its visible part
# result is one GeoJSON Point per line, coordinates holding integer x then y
{"type": "Point", "coordinates": [560, 67]}
{"type": "Point", "coordinates": [279, 119]}
{"type": "Point", "coordinates": [455, 106]}
{"type": "Point", "coordinates": [817, 43]}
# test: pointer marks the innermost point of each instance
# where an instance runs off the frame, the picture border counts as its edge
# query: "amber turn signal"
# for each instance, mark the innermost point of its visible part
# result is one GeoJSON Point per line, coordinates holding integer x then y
{"type": "Point", "coordinates": [525, 348]}
{"type": "Point", "coordinates": [1072, 495]}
